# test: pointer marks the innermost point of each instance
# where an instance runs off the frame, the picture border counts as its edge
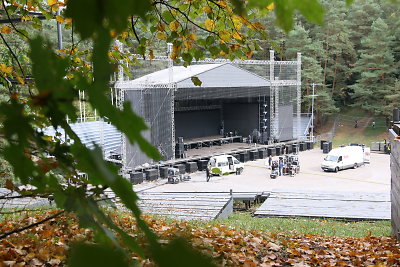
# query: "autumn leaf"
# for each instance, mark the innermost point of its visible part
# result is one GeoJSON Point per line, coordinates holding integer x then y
{"type": "Point", "coordinates": [161, 27]}
{"type": "Point", "coordinates": [173, 26]}
{"type": "Point", "coordinates": [52, 2]}
{"type": "Point", "coordinates": [26, 18]}
{"type": "Point", "coordinates": [249, 54]}
{"type": "Point", "coordinates": [161, 35]}
{"type": "Point", "coordinates": [237, 22]}
{"type": "Point", "coordinates": [5, 29]}
{"type": "Point", "coordinates": [225, 35]}
{"type": "Point", "coordinates": [59, 19]}
{"type": "Point", "coordinates": [237, 36]}
{"type": "Point", "coordinates": [9, 184]}
{"type": "Point", "coordinates": [207, 9]}
{"type": "Point", "coordinates": [210, 24]}
{"type": "Point", "coordinates": [19, 78]}
{"type": "Point", "coordinates": [5, 69]}
{"type": "Point", "coordinates": [270, 6]}
{"type": "Point", "coordinates": [192, 36]}
{"type": "Point", "coordinates": [222, 3]}
{"type": "Point", "coordinates": [151, 54]}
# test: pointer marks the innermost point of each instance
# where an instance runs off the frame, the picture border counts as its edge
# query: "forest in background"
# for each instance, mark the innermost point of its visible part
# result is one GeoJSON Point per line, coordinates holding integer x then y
{"type": "Point", "coordinates": [354, 57]}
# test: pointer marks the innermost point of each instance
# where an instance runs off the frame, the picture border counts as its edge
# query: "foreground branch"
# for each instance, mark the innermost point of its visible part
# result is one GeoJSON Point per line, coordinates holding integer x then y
{"type": "Point", "coordinates": [31, 225]}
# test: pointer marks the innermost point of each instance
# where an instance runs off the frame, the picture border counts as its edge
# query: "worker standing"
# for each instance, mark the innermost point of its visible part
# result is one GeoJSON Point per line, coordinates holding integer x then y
{"type": "Point", "coordinates": [280, 167]}
{"type": "Point", "coordinates": [208, 173]}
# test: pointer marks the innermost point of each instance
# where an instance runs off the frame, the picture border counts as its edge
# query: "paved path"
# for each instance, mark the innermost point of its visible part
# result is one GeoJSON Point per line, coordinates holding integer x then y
{"type": "Point", "coordinates": [368, 180]}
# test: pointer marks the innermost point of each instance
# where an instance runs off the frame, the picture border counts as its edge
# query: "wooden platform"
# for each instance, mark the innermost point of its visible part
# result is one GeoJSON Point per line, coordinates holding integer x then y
{"type": "Point", "coordinates": [343, 205]}
{"type": "Point", "coordinates": [187, 206]}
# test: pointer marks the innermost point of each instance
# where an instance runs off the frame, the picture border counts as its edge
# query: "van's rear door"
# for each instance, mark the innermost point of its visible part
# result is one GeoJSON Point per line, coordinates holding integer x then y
{"type": "Point", "coordinates": [367, 155]}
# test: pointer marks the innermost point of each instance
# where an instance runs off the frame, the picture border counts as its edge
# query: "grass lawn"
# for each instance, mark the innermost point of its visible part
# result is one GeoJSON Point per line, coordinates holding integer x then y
{"type": "Point", "coordinates": [346, 132]}
{"type": "Point", "coordinates": [325, 227]}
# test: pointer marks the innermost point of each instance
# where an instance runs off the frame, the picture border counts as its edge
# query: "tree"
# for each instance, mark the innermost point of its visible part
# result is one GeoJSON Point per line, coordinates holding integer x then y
{"type": "Point", "coordinates": [339, 53]}
{"type": "Point", "coordinates": [57, 76]}
{"type": "Point", "coordinates": [299, 40]}
{"type": "Point", "coordinates": [361, 16]}
{"type": "Point", "coordinates": [375, 71]}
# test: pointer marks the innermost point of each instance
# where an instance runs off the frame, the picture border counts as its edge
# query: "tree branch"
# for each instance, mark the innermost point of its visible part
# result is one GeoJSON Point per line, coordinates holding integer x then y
{"type": "Point", "coordinates": [134, 30]}
{"type": "Point", "coordinates": [12, 24]}
{"type": "Point", "coordinates": [184, 15]}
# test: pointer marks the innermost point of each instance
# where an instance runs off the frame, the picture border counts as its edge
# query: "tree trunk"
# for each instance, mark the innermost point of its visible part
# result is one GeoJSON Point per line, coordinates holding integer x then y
{"type": "Point", "coordinates": [334, 76]}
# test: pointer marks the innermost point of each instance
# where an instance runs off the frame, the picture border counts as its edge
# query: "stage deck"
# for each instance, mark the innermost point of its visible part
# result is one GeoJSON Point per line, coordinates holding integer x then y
{"type": "Point", "coordinates": [187, 206]}
{"type": "Point", "coordinates": [343, 205]}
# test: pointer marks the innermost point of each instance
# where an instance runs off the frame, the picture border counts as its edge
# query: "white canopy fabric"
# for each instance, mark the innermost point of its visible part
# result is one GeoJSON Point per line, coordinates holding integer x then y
{"type": "Point", "coordinates": [211, 75]}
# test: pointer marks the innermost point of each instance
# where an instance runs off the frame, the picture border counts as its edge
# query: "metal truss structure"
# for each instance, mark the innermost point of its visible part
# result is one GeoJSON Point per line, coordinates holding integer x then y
{"type": "Point", "coordinates": [292, 79]}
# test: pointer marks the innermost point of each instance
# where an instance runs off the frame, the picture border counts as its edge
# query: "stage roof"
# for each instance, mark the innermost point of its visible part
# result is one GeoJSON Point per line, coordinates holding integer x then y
{"type": "Point", "coordinates": [211, 75]}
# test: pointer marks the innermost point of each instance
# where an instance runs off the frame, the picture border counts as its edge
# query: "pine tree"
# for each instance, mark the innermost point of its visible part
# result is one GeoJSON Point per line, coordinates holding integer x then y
{"type": "Point", "coordinates": [361, 15]}
{"type": "Point", "coordinates": [375, 70]}
{"type": "Point", "coordinates": [298, 40]}
{"type": "Point", "coordinates": [339, 53]}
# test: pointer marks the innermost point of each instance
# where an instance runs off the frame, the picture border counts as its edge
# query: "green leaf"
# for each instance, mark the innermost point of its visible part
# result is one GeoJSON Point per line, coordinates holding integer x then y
{"type": "Point", "coordinates": [83, 255]}
{"type": "Point", "coordinates": [196, 81]}
{"type": "Point", "coordinates": [167, 16]}
{"type": "Point", "coordinates": [187, 57]}
{"type": "Point", "coordinates": [210, 40]}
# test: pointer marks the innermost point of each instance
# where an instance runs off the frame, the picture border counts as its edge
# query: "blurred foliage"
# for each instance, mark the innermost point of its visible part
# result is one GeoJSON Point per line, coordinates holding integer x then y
{"type": "Point", "coordinates": [42, 85]}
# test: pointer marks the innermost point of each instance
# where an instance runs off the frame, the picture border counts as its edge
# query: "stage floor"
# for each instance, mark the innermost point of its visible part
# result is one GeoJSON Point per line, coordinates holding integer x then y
{"type": "Point", "coordinates": [225, 148]}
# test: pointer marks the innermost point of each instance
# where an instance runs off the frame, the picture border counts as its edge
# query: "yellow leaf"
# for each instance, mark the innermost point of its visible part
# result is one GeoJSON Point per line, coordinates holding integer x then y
{"type": "Point", "coordinates": [47, 138]}
{"type": "Point", "coordinates": [225, 35]}
{"type": "Point", "coordinates": [192, 36]}
{"type": "Point", "coordinates": [5, 29]}
{"type": "Point", "coordinates": [26, 18]}
{"type": "Point", "coordinates": [174, 55]}
{"type": "Point", "coordinates": [51, 2]}
{"type": "Point", "coordinates": [237, 22]}
{"type": "Point", "coordinates": [59, 19]}
{"type": "Point", "coordinates": [124, 35]}
{"type": "Point", "coordinates": [173, 26]}
{"type": "Point", "coordinates": [161, 36]}
{"type": "Point", "coordinates": [68, 20]}
{"type": "Point", "coordinates": [237, 36]}
{"type": "Point", "coordinates": [187, 44]}
{"type": "Point", "coordinates": [151, 54]}
{"type": "Point", "coordinates": [222, 3]}
{"type": "Point", "coordinates": [258, 25]}
{"type": "Point", "coordinates": [5, 69]}
{"type": "Point", "coordinates": [210, 24]}
{"type": "Point", "coordinates": [207, 9]}
{"type": "Point", "coordinates": [19, 78]}
{"type": "Point", "coordinates": [113, 33]}
{"type": "Point", "coordinates": [270, 6]}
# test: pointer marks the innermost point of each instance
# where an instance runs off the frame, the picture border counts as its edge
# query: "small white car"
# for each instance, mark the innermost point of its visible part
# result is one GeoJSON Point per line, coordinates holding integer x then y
{"type": "Point", "coordinates": [225, 164]}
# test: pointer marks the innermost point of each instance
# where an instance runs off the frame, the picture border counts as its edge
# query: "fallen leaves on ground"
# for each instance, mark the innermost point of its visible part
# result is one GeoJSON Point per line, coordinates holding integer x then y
{"type": "Point", "coordinates": [48, 244]}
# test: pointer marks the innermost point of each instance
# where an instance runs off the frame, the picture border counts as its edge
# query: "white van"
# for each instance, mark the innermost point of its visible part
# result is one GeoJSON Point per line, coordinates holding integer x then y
{"type": "Point", "coordinates": [345, 157]}
{"type": "Point", "coordinates": [224, 164]}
